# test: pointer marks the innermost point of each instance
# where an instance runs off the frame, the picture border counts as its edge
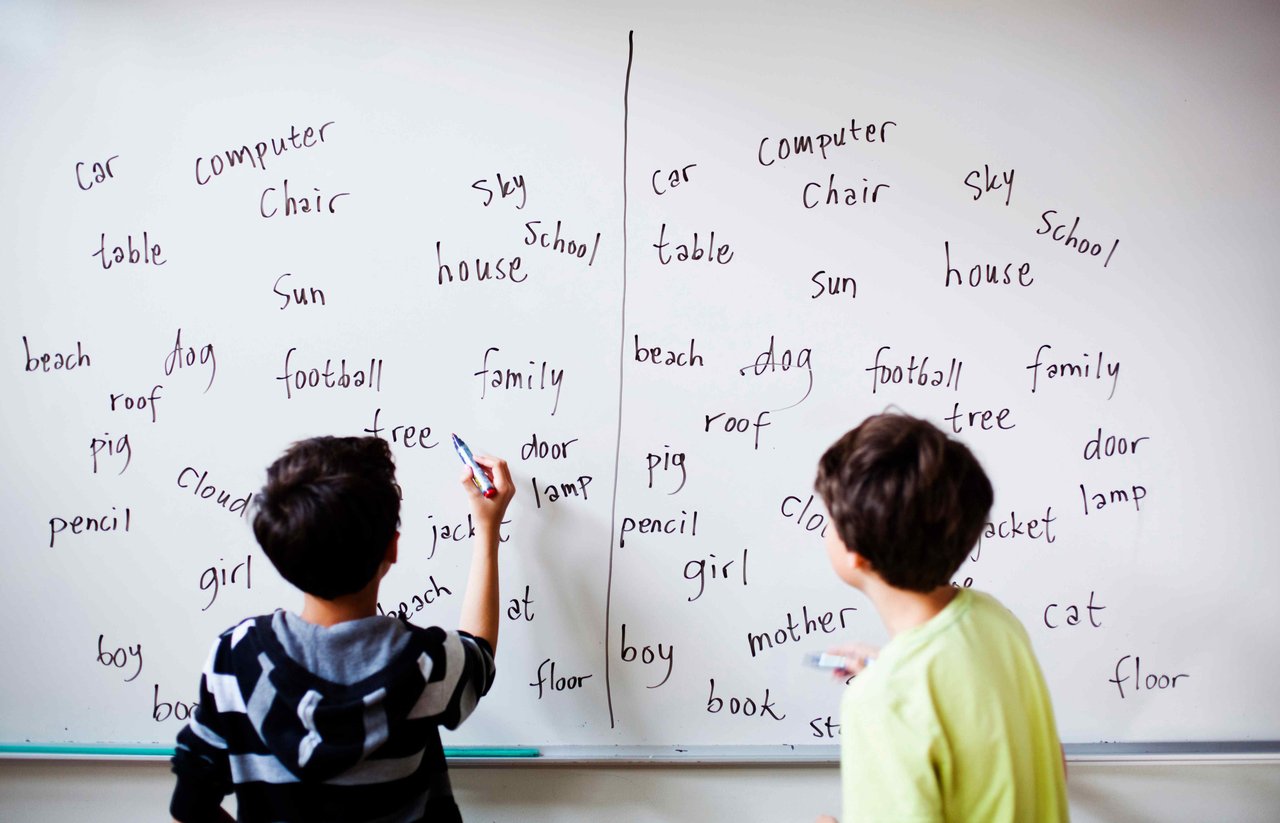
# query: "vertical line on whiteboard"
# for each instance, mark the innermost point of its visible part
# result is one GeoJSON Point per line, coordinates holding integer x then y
{"type": "Point", "coordinates": [622, 353]}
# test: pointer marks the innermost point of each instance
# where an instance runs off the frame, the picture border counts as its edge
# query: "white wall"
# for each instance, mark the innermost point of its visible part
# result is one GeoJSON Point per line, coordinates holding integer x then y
{"type": "Point", "coordinates": [53, 792]}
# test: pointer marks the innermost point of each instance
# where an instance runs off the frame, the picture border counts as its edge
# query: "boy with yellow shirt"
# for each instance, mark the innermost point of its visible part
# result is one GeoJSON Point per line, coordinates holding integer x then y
{"type": "Point", "coordinates": [952, 721]}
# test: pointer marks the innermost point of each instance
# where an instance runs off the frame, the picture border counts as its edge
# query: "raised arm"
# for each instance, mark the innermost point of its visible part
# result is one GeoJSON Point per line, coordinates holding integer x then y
{"type": "Point", "coordinates": [480, 603]}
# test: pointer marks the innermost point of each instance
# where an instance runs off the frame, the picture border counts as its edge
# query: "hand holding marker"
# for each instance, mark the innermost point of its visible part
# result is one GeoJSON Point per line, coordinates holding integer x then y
{"type": "Point", "coordinates": [478, 475]}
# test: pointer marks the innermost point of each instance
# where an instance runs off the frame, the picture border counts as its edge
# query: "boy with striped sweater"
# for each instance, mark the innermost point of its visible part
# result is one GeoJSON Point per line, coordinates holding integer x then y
{"type": "Point", "coordinates": [334, 713]}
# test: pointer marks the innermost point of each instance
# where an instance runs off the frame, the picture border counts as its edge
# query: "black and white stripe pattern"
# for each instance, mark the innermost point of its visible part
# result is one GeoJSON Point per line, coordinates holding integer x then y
{"type": "Point", "coordinates": [294, 746]}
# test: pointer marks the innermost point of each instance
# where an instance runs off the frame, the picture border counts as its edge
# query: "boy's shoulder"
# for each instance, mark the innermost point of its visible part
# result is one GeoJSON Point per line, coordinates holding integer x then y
{"type": "Point", "coordinates": [989, 614]}
{"type": "Point", "coordinates": [399, 643]}
{"type": "Point", "coordinates": [981, 648]}
{"type": "Point", "coordinates": [225, 644]}
{"type": "Point", "coordinates": [954, 645]}
{"type": "Point", "coordinates": [237, 631]}
{"type": "Point", "coordinates": [262, 626]}
{"type": "Point", "coordinates": [233, 634]}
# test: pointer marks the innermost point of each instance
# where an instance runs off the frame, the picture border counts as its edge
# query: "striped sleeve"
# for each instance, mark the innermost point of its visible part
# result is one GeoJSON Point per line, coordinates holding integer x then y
{"type": "Point", "coordinates": [200, 758]}
{"type": "Point", "coordinates": [457, 670]}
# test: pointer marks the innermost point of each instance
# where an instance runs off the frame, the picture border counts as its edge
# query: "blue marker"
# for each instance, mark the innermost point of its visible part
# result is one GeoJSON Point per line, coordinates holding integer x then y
{"type": "Point", "coordinates": [834, 661]}
{"type": "Point", "coordinates": [478, 475]}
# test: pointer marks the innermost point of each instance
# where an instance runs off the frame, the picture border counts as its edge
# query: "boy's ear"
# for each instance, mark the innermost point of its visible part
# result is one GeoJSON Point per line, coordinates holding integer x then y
{"type": "Point", "coordinates": [393, 549]}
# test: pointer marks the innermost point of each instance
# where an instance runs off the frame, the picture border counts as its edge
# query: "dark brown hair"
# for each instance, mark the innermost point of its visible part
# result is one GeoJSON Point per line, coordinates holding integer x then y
{"type": "Point", "coordinates": [329, 510]}
{"type": "Point", "coordinates": [909, 499]}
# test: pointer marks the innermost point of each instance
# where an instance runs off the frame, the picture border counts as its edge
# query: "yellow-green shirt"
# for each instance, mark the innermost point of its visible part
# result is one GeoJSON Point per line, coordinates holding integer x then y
{"type": "Point", "coordinates": [953, 722]}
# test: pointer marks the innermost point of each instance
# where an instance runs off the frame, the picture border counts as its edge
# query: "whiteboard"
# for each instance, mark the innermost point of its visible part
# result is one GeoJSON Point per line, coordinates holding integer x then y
{"type": "Point", "coordinates": [663, 395]}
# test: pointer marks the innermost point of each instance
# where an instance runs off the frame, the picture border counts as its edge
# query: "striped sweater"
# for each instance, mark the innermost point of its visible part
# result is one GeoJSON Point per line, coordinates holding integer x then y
{"type": "Point", "coordinates": [308, 723]}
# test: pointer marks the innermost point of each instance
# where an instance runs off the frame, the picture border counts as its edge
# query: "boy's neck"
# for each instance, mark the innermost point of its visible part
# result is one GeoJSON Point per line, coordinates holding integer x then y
{"type": "Point", "coordinates": [901, 610]}
{"type": "Point", "coordinates": [328, 613]}
{"type": "Point", "coordinates": [354, 606]}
